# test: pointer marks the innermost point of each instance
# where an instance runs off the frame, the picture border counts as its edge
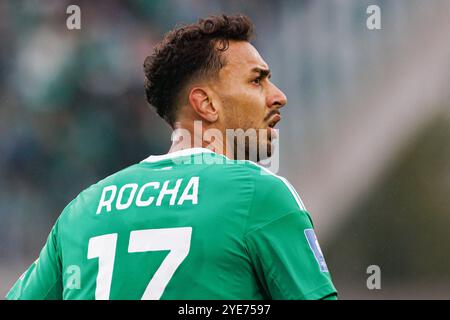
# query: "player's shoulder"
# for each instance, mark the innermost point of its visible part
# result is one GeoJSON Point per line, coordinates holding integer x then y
{"type": "Point", "coordinates": [261, 173]}
{"type": "Point", "coordinates": [90, 194]}
{"type": "Point", "coordinates": [252, 169]}
{"type": "Point", "coordinates": [274, 197]}
{"type": "Point", "coordinates": [264, 180]}
{"type": "Point", "coordinates": [224, 168]}
{"type": "Point", "coordinates": [273, 185]}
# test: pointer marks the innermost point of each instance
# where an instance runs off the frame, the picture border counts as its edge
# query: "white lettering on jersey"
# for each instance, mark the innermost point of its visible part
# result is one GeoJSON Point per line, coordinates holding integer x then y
{"type": "Point", "coordinates": [144, 196]}
{"type": "Point", "coordinates": [192, 184]}
{"type": "Point", "coordinates": [107, 203]}
{"type": "Point", "coordinates": [146, 203]}
{"type": "Point", "coordinates": [126, 205]}
{"type": "Point", "coordinates": [166, 191]}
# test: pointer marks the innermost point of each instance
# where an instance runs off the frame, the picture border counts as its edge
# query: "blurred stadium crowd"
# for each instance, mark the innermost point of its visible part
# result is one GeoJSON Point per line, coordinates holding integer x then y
{"type": "Point", "coordinates": [73, 110]}
{"type": "Point", "coordinates": [72, 107]}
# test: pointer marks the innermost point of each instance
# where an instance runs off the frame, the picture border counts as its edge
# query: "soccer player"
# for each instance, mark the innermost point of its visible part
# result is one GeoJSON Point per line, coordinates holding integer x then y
{"type": "Point", "coordinates": [200, 222]}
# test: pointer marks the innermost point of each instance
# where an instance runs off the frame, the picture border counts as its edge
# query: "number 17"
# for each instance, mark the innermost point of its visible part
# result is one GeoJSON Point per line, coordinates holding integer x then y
{"type": "Point", "coordinates": [177, 240]}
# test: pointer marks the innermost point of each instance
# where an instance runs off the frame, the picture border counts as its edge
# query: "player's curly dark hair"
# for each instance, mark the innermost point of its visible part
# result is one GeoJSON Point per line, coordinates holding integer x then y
{"type": "Point", "coordinates": [186, 52]}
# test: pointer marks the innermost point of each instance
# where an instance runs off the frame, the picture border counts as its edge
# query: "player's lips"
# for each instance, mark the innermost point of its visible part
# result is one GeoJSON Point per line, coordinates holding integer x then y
{"type": "Point", "coordinates": [274, 120]}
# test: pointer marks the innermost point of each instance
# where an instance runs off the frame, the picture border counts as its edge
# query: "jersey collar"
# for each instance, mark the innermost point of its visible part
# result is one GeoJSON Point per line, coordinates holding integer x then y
{"type": "Point", "coordinates": [171, 155]}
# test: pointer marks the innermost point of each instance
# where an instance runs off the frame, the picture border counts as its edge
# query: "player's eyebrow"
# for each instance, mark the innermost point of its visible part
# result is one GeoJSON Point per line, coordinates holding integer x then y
{"type": "Point", "coordinates": [262, 72]}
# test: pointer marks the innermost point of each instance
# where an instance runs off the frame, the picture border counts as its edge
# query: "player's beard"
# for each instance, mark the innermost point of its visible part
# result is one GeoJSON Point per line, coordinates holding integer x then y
{"type": "Point", "coordinates": [256, 151]}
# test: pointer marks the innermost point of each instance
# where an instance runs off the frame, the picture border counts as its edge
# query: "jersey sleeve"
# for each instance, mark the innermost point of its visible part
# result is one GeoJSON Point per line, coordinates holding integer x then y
{"type": "Point", "coordinates": [282, 245]}
{"type": "Point", "coordinates": [42, 280]}
{"type": "Point", "coordinates": [288, 260]}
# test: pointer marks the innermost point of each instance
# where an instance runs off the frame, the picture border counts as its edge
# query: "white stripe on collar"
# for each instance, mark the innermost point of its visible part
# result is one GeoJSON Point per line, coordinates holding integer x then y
{"type": "Point", "coordinates": [179, 153]}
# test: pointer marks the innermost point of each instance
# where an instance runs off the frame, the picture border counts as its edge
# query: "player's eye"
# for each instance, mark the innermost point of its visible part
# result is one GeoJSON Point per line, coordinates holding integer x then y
{"type": "Point", "coordinates": [257, 81]}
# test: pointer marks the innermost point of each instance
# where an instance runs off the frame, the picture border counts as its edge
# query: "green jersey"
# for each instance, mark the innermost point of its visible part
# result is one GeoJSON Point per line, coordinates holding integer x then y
{"type": "Point", "coordinates": [191, 224]}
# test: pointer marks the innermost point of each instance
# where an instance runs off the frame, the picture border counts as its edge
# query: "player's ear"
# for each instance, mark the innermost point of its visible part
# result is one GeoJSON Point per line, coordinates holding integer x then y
{"type": "Point", "coordinates": [200, 98]}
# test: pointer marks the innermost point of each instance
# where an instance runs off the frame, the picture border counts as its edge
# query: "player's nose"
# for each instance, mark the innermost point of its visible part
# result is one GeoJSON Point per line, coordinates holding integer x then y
{"type": "Point", "coordinates": [277, 97]}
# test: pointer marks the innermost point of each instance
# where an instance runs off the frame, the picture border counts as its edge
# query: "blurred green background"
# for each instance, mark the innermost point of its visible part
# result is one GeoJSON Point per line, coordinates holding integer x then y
{"type": "Point", "coordinates": [365, 138]}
